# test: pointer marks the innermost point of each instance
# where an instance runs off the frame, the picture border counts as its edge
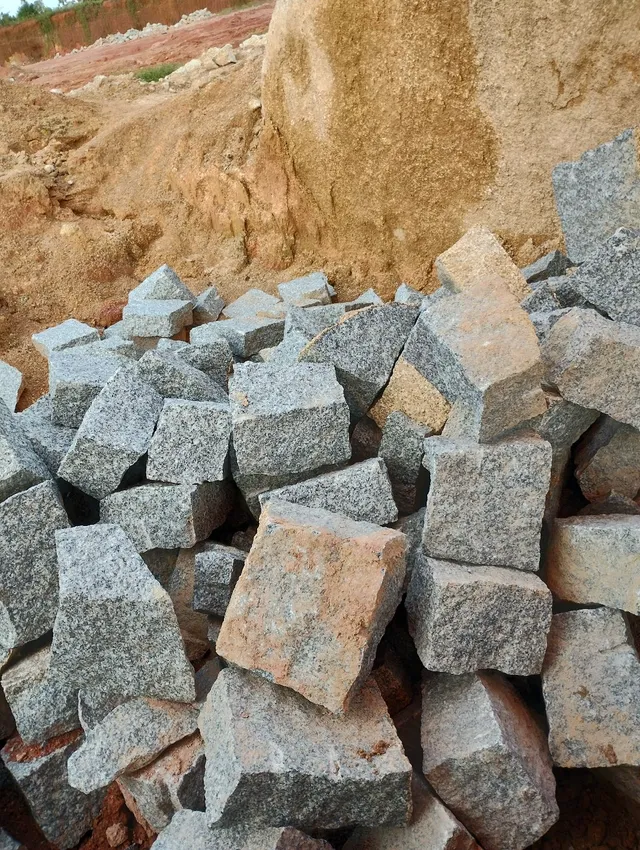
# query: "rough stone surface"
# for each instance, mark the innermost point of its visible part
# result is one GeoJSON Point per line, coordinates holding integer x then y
{"type": "Point", "coordinates": [315, 596]}
{"type": "Point", "coordinates": [408, 295]}
{"type": "Point", "coordinates": [217, 570]}
{"type": "Point", "coordinates": [594, 362]}
{"type": "Point", "coordinates": [608, 460]}
{"type": "Point", "coordinates": [208, 306]}
{"type": "Point", "coordinates": [312, 286]}
{"type": "Point", "coordinates": [246, 336]}
{"type": "Point", "coordinates": [128, 738]}
{"type": "Point", "coordinates": [156, 318]}
{"type": "Point", "coordinates": [10, 385]}
{"type": "Point", "coordinates": [542, 300]}
{"type": "Point", "coordinates": [172, 377]}
{"type": "Point", "coordinates": [487, 759]}
{"type": "Point", "coordinates": [20, 466]}
{"type": "Point", "coordinates": [552, 264]}
{"type": "Point", "coordinates": [181, 586]}
{"type": "Point", "coordinates": [191, 442]}
{"type": "Point", "coordinates": [116, 635]}
{"type": "Point", "coordinates": [501, 524]}
{"type": "Point", "coordinates": [402, 449]}
{"type": "Point", "coordinates": [28, 570]}
{"type": "Point", "coordinates": [432, 827]}
{"type": "Point", "coordinates": [412, 394]}
{"type": "Point", "coordinates": [75, 379]}
{"type": "Point", "coordinates": [466, 618]}
{"type": "Point", "coordinates": [250, 304]}
{"type": "Point", "coordinates": [363, 346]}
{"type": "Point", "coordinates": [274, 759]}
{"type": "Point", "coordinates": [310, 321]}
{"type": "Point", "coordinates": [479, 348]}
{"type": "Point", "coordinates": [163, 284]}
{"type": "Point", "coordinates": [112, 345]}
{"type": "Point", "coordinates": [361, 492]}
{"type": "Point", "coordinates": [544, 322]}
{"type": "Point", "coordinates": [288, 419]}
{"type": "Point", "coordinates": [286, 352]}
{"type": "Point", "coordinates": [50, 441]}
{"type": "Point", "coordinates": [597, 194]}
{"type": "Point", "coordinates": [67, 335]}
{"type": "Point", "coordinates": [114, 434]}
{"type": "Point", "coordinates": [591, 687]}
{"type": "Point", "coordinates": [214, 358]}
{"type": "Point", "coordinates": [412, 527]}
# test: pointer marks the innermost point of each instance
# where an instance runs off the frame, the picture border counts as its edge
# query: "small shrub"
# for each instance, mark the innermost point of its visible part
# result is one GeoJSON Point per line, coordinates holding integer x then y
{"type": "Point", "coordinates": [156, 72]}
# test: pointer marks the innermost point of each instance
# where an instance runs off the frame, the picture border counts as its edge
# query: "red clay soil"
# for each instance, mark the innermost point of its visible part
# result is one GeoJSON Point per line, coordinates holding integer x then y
{"type": "Point", "coordinates": [16, 750]}
{"type": "Point", "coordinates": [178, 45]}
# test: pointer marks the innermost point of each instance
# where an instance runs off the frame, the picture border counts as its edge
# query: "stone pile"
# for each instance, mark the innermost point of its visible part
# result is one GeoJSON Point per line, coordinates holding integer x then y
{"type": "Point", "coordinates": [296, 573]}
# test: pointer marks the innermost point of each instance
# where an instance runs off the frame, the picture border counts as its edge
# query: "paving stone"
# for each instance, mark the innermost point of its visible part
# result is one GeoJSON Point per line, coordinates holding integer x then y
{"type": "Point", "coordinates": [51, 442]}
{"type": "Point", "coordinates": [253, 485]}
{"type": "Point", "coordinates": [408, 295]}
{"type": "Point", "coordinates": [246, 336]}
{"type": "Point", "coordinates": [274, 759]}
{"type": "Point", "coordinates": [310, 576]}
{"type": "Point", "coordinates": [66, 335]}
{"type": "Point", "coordinates": [20, 466]}
{"type": "Point", "coordinates": [63, 814]}
{"type": "Point", "coordinates": [542, 300]}
{"type": "Point", "coordinates": [171, 376]}
{"type": "Point", "coordinates": [163, 284]}
{"type": "Point", "coordinates": [591, 687]}
{"type": "Point", "coordinates": [116, 636]}
{"type": "Point", "coordinates": [477, 258]}
{"type": "Point", "coordinates": [500, 526]}
{"type": "Point", "coordinates": [167, 516]}
{"type": "Point", "coordinates": [479, 348]}
{"type": "Point", "coordinates": [28, 570]}
{"type": "Point", "coordinates": [312, 286]}
{"type": "Point", "coordinates": [402, 450]}
{"type": "Point", "coordinates": [466, 618]}
{"type": "Point", "coordinates": [180, 586]}
{"type": "Point", "coordinates": [286, 352]}
{"type": "Point", "coordinates": [217, 570]}
{"type": "Point", "coordinates": [361, 492]}
{"type": "Point", "coordinates": [552, 264]}
{"type": "Point", "coordinates": [594, 362]}
{"type": "Point", "coordinates": [114, 434]}
{"type": "Point", "coordinates": [208, 306]}
{"type": "Point", "coordinates": [11, 383]}
{"type": "Point", "coordinates": [75, 379]}
{"type": "Point", "coordinates": [156, 318]}
{"type": "Point", "coordinates": [368, 298]}
{"type": "Point", "coordinates": [565, 292]}
{"type": "Point", "coordinates": [310, 321]}
{"type": "Point", "coordinates": [43, 706]}
{"type": "Point", "coordinates": [597, 194]}
{"type": "Point", "coordinates": [432, 827]}
{"type": "Point", "coordinates": [544, 322]}
{"type": "Point", "coordinates": [608, 460]}
{"type": "Point", "coordinates": [128, 738]}
{"type": "Point", "coordinates": [487, 759]}
{"type": "Point", "coordinates": [363, 346]}
{"type": "Point", "coordinates": [412, 394]}
{"type": "Point", "coordinates": [190, 829]}
{"type": "Point", "coordinates": [250, 304]}
{"type": "Point", "coordinates": [191, 442]}
{"type": "Point", "coordinates": [171, 783]}
{"type": "Point", "coordinates": [213, 358]}
{"type": "Point", "coordinates": [288, 419]}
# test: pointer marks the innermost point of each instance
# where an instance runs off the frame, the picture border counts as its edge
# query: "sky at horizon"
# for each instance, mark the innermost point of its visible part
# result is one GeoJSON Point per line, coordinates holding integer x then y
{"type": "Point", "coordinates": [10, 7]}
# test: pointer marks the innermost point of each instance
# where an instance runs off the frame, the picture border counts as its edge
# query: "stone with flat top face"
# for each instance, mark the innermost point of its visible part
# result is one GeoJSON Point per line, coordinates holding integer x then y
{"type": "Point", "coordinates": [172, 376]}
{"type": "Point", "coordinates": [250, 304]}
{"type": "Point", "coordinates": [163, 284]}
{"type": "Point", "coordinates": [50, 441]}
{"type": "Point", "coordinates": [69, 334]}
{"type": "Point", "coordinates": [155, 318]}
{"type": "Point", "coordinates": [410, 393]}
{"type": "Point", "coordinates": [313, 286]}
{"type": "Point", "coordinates": [246, 336]}
{"type": "Point", "coordinates": [552, 264]}
{"type": "Point", "coordinates": [11, 383]}
{"type": "Point", "coordinates": [75, 379]}
{"type": "Point", "coordinates": [20, 466]}
{"type": "Point", "coordinates": [217, 569]}
{"type": "Point", "coordinates": [208, 306]}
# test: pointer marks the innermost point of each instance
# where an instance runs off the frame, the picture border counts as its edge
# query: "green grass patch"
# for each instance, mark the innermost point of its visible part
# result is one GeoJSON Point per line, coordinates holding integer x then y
{"type": "Point", "coordinates": [156, 72]}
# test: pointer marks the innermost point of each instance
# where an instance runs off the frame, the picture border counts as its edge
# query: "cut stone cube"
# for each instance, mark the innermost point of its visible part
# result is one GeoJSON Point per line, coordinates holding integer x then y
{"type": "Point", "coordinates": [246, 336]}
{"type": "Point", "coordinates": [597, 194]}
{"type": "Point", "coordinates": [114, 434]}
{"type": "Point", "coordinates": [50, 441]}
{"type": "Point", "coordinates": [213, 358]}
{"type": "Point", "coordinates": [67, 335]}
{"type": "Point", "coordinates": [591, 687]}
{"type": "Point", "coordinates": [112, 345]}
{"type": "Point", "coordinates": [363, 346]}
{"type": "Point", "coordinates": [310, 321]}
{"type": "Point", "coordinates": [11, 383]}
{"type": "Point", "coordinates": [75, 379]}
{"type": "Point", "coordinates": [286, 352]}
{"type": "Point", "coordinates": [217, 570]}
{"type": "Point", "coordinates": [161, 285]}
{"type": "Point", "coordinates": [412, 394]}
{"type": "Point", "coordinates": [466, 618]}
{"type": "Point", "coordinates": [116, 635]}
{"type": "Point", "coordinates": [544, 322]}
{"type": "Point", "coordinates": [275, 759]}
{"type": "Point", "coordinates": [402, 450]}
{"type": "Point", "coordinates": [171, 376]}
{"type": "Point", "coordinates": [552, 264]}
{"type": "Point", "coordinates": [156, 318]}
{"type": "Point", "coordinates": [501, 524]}
{"type": "Point", "coordinates": [408, 295]}
{"type": "Point", "coordinates": [313, 286]}
{"type": "Point", "coordinates": [541, 300]}
{"type": "Point", "coordinates": [315, 596]}
{"type": "Point", "coordinates": [250, 304]}
{"type": "Point", "coordinates": [28, 569]}
{"type": "Point", "coordinates": [368, 298]}
{"type": "Point", "coordinates": [361, 492]}
{"type": "Point", "coordinates": [288, 419]}
{"type": "Point", "coordinates": [487, 759]}
{"type": "Point", "coordinates": [167, 516]}
{"type": "Point", "coordinates": [208, 306]}
{"type": "Point", "coordinates": [608, 460]}
{"type": "Point", "coordinates": [191, 442]}
{"type": "Point", "coordinates": [20, 466]}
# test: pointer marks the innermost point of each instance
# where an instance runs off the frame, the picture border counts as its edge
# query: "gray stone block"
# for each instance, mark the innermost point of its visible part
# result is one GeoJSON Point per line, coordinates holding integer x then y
{"type": "Point", "coordinates": [208, 306]}
{"type": "Point", "coordinates": [310, 321]}
{"type": "Point", "coordinates": [161, 562]}
{"type": "Point", "coordinates": [28, 569]}
{"type": "Point", "coordinates": [501, 524]}
{"type": "Point", "coordinates": [171, 376]}
{"type": "Point", "coordinates": [167, 516]}
{"type": "Point", "coordinates": [487, 759]}
{"type": "Point", "coordinates": [402, 449]}
{"type": "Point", "coordinates": [11, 382]}
{"type": "Point", "coordinates": [544, 322]}
{"type": "Point", "coordinates": [128, 738]}
{"type": "Point", "coordinates": [156, 318]}
{"type": "Point", "coordinates": [246, 336]}
{"type": "Point", "coordinates": [288, 419]}
{"type": "Point", "coordinates": [114, 434]}
{"type": "Point", "coordinates": [112, 345]}
{"type": "Point", "coordinates": [66, 335]}
{"type": "Point", "coordinates": [180, 587]}
{"type": "Point", "coordinates": [361, 492]}
{"type": "Point", "coordinates": [614, 503]}
{"type": "Point", "coordinates": [363, 346]}
{"type": "Point", "coordinates": [116, 636]}
{"type": "Point", "coordinates": [454, 611]}
{"type": "Point", "coordinates": [408, 295]}
{"type": "Point", "coordinates": [591, 687]}
{"type": "Point", "coordinates": [286, 352]}
{"type": "Point", "coordinates": [608, 460]}
{"type": "Point", "coordinates": [191, 442]}
{"type": "Point", "coordinates": [213, 358]}
{"type": "Point", "coordinates": [217, 570]}
{"type": "Point", "coordinates": [43, 706]}
{"type": "Point", "coordinates": [251, 304]}
{"type": "Point", "coordinates": [597, 194]}
{"type": "Point", "coordinates": [552, 264]}
{"type": "Point", "coordinates": [20, 466]}
{"type": "Point", "coordinates": [272, 759]}
{"type": "Point", "coordinates": [161, 285]}
{"type": "Point", "coordinates": [50, 441]}
{"type": "Point", "coordinates": [311, 287]}
{"type": "Point", "coordinates": [75, 379]}
{"type": "Point", "coordinates": [594, 362]}
{"type": "Point", "coordinates": [479, 348]}
{"type": "Point", "coordinates": [542, 300]}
